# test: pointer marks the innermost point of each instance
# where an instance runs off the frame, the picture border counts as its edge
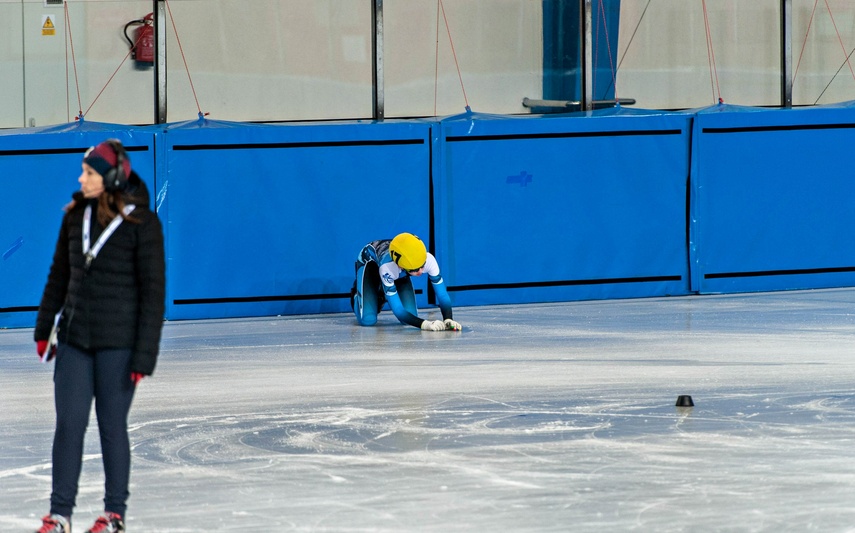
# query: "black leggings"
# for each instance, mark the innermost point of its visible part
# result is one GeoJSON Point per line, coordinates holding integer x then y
{"type": "Point", "coordinates": [80, 376]}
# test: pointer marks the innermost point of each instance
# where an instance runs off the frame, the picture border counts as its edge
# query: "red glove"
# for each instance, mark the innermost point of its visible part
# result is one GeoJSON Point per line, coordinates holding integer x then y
{"type": "Point", "coordinates": [136, 377]}
{"type": "Point", "coordinates": [41, 348]}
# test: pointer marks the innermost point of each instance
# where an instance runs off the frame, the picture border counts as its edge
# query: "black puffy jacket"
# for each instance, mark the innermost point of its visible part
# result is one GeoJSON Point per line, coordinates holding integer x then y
{"type": "Point", "coordinates": [119, 301]}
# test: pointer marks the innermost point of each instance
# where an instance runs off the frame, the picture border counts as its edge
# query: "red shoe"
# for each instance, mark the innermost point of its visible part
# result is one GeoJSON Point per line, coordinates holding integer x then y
{"type": "Point", "coordinates": [107, 523]}
{"type": "Point", "coordinates": [54, 523]}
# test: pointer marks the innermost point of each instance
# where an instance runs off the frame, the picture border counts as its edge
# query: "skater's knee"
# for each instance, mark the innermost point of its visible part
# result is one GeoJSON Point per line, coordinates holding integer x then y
{"type": "Point", "coordinates": [367, 320]}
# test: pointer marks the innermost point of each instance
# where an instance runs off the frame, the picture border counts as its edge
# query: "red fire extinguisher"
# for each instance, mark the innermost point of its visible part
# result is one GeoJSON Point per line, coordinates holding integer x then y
{"type": "Point", "coordinates": [142, 45]}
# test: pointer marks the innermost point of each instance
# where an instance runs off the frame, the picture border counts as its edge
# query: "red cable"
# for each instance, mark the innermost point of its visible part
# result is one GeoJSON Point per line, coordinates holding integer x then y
{"type": "Point", "coordinates": [596, 45]}
{"type": "Point", "coordinates": [65, 39]}
{"type": "Point", "coordinates": [73, 64]}
{"type": "Point", "coordinates": [436, 61]}
{"type": "Point", "coordinates": [804, 43]}
{"type": "Point", "coordinates": [108, 81]}
{"type": "Point", "coordinates": [192, 88]}
{"type": "Point", "coordinates": [711, 55]}
{"type": "Point", "coordinates": [74, 61]}
{"type": "Point", "coordinates": [840, 39]}
{"type": "Point", "coordinates": [609, 48]}
{"type": "Point", "coordinates": [451, 41]}
{"type": "Point", "coordinates": [709, 59]}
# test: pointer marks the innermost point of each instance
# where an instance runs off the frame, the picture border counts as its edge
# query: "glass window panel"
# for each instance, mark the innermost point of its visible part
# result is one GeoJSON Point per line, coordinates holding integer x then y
{"type": "Point", "coordinates": [249, 60]}
{"type": "Point", "coordinates": [499, 48]}
{"type": "Point", "coordinates": [69, 67]}
{"type": "Point", "coordinates": [270, 60]}
{"type": "Point", "coordinates": [823, 46]}
{"type": "Point", "coordinates": [664, 61]}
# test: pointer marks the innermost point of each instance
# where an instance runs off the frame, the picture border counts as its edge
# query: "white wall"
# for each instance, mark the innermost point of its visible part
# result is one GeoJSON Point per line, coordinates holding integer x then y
{"type": "Point", "coordinates": [11, 65]}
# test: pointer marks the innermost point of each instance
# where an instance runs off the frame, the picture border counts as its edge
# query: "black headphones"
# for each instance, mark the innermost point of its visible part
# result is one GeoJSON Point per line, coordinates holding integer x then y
{"type": "Point", "coordinates": [115, 178]}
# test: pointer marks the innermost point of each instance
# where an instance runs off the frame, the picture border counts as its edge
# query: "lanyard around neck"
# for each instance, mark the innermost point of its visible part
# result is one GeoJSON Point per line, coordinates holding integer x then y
{"type": "Point", "coordinates": [90, 252]}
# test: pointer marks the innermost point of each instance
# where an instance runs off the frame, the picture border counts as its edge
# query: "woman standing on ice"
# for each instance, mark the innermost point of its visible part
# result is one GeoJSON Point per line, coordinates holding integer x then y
{"type": "Point", "coordinates": [106, 288]}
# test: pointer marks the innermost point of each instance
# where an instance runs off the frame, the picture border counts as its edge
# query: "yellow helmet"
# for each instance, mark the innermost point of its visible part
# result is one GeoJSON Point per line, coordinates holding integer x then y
{"type": "Point", "coordinates": [408, 251]}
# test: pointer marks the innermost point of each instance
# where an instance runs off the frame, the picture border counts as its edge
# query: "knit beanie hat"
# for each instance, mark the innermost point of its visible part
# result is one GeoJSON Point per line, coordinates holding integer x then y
{"type": "Point", "coordinates": [102, 158]}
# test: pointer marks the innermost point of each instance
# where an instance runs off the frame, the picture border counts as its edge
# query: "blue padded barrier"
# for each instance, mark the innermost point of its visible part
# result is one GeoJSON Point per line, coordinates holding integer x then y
{"type": "Point", "coordinates": [773, 196]}
{"type": "Point", "coordinates": [268, 219]}
{"type": "Point", "coordinates": [39, 168]}
{"type": "Point", "coordinates": [580, 206]}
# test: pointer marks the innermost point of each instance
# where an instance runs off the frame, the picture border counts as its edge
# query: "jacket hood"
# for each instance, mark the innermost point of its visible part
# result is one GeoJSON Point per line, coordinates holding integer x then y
{"type": "Point", "coordinates": [137, 192]}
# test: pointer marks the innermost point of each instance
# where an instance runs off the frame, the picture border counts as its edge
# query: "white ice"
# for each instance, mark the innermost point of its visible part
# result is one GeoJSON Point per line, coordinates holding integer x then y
{"type": "Point", "coordinates": [552, 417]}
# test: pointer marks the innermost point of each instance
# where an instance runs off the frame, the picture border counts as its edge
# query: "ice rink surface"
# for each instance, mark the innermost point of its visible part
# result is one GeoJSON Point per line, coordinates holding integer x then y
{"type": "Point", "coordinates": [552, 417]}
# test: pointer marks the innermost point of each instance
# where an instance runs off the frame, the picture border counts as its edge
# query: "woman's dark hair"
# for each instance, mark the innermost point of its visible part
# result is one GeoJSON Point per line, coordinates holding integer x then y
{"type": "Point", "coordinates": [111, 204]}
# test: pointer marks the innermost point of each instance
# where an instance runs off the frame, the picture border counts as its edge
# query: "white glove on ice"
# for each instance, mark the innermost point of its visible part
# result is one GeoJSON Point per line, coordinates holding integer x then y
{"type": "Point", "coordinates": [451, 324]}
{"type": "Point", "coordinates": [433, 325]}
